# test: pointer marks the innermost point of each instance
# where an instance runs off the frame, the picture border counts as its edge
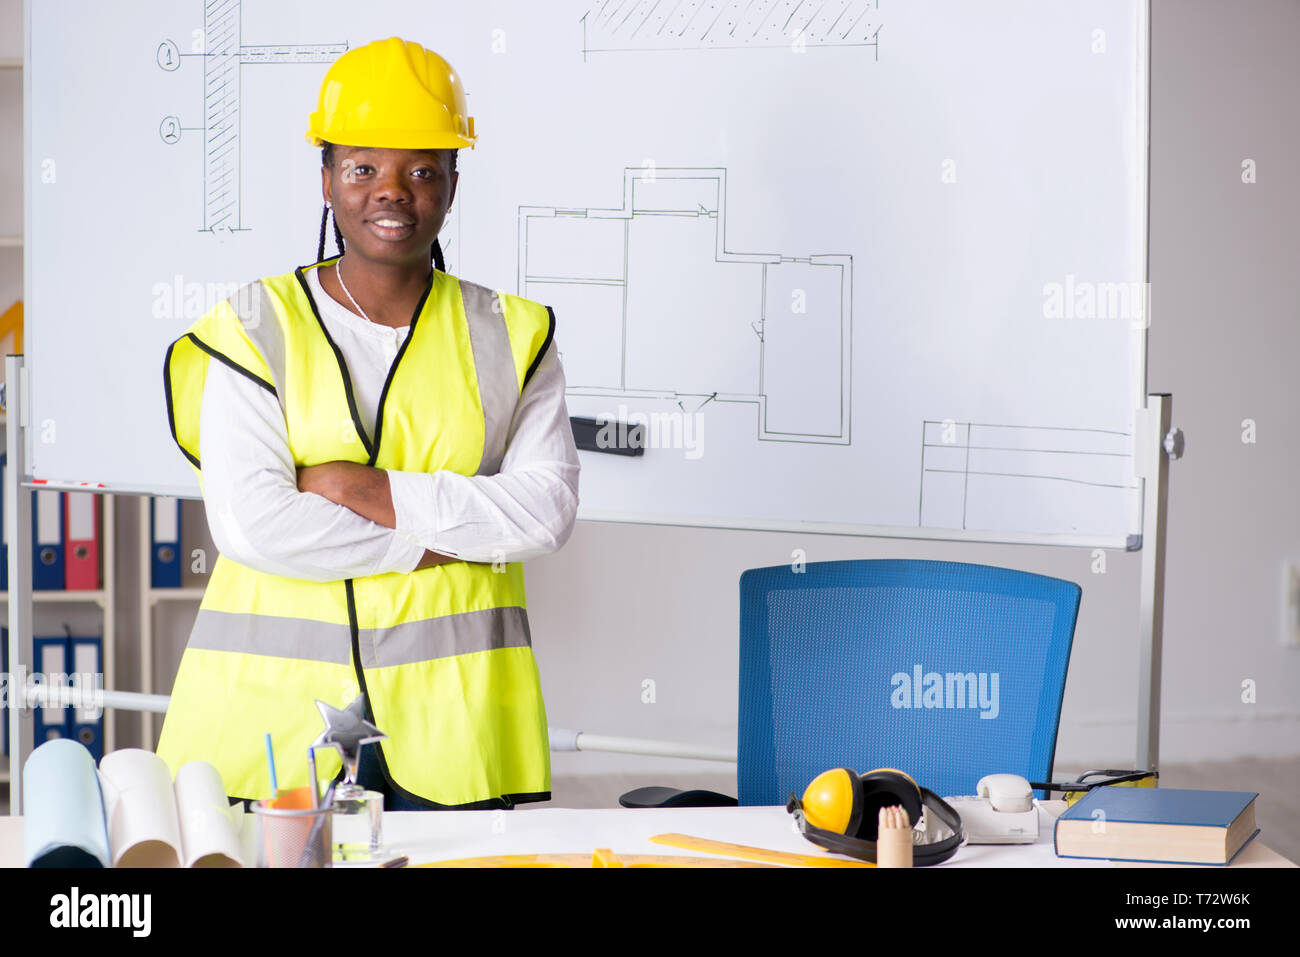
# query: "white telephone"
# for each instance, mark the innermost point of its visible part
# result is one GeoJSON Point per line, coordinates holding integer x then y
{"type": "Point", "coordinates": [1002, 812]}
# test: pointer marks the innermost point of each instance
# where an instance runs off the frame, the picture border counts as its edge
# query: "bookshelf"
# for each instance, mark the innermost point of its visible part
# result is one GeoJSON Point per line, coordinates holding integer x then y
{"type": "Point", "coordinates": [104, 598]}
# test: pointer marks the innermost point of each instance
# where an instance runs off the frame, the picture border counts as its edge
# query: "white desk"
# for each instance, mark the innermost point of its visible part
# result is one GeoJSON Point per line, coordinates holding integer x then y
{"type": "Point", "coordinates": [427, 837]}
{"type": "Point", "coordinates": [435, 836]}
{"type": "Point", "coordinates": [558, 830]}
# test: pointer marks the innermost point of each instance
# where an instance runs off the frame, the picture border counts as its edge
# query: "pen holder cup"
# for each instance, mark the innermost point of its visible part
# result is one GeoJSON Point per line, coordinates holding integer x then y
{"type": "Point", "coordinates": [294, 837]}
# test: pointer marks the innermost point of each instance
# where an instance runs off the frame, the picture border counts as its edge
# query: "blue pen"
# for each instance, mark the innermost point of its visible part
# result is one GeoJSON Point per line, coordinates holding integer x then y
{"type": "Point", "coordinates": [270, 763]}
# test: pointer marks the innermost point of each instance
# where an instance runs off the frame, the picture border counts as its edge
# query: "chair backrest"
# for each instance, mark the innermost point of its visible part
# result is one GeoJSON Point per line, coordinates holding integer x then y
{"type": "Point", "coordinates": [945, 670]}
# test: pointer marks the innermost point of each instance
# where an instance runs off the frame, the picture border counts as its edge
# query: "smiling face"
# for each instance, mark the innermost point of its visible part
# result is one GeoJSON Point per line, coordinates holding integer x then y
{"type": "Point", "coordinates": [389, 203]}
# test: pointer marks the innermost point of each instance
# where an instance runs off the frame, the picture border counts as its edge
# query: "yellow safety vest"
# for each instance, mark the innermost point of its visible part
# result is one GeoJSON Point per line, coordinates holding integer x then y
{"type": "Point", "coordinates": [443, 654]}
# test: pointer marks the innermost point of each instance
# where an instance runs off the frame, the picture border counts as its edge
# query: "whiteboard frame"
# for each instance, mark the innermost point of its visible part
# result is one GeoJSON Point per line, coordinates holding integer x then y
{"type": "Point", "coordinates": [865, 531]}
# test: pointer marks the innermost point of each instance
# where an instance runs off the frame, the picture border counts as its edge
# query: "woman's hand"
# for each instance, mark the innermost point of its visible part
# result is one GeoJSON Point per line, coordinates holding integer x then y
{"type": "Point", "coordinates": [359, 487]}
{"type": "Point", "coordinates": [364, 490]}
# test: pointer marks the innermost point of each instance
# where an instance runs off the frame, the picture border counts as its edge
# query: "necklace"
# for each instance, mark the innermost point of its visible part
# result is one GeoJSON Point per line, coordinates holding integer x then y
{"type": "Point", "coordinates": [338, 271]}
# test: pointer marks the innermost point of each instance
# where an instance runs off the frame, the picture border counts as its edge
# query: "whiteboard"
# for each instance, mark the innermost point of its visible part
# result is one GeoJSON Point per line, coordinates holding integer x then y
{"type": "Point", "coordinates": [853, 265]}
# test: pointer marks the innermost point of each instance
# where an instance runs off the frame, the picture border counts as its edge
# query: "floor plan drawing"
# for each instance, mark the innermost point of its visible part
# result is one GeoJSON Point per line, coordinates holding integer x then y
{"type": "Point", "coordinates": [614, 26]}
{"type": "Point", "coordinates": [663, 310]}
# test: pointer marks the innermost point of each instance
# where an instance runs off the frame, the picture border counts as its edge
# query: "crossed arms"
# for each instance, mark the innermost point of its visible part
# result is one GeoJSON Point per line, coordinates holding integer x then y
{"type": "Point", "coordinates": [345, 520]}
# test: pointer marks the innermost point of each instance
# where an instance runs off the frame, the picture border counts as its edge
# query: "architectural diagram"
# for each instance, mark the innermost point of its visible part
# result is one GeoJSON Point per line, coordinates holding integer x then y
{"type": "Point", "coordinates": [613, 26]}
{"type": "Point", "coordinates": [657, 307]}
{"type": "Point", "coordinates": [969, 470]}
{"type": "Point", "coordinates": [223, 54]}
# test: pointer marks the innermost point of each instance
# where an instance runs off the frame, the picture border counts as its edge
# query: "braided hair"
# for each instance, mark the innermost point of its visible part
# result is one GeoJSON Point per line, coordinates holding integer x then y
{"type": "Point", "coordinates": [327, 160]}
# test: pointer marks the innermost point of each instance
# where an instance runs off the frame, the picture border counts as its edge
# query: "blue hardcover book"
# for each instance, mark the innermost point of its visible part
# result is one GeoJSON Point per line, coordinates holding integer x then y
{"type": "Point", "coordinates": [1159, 825]}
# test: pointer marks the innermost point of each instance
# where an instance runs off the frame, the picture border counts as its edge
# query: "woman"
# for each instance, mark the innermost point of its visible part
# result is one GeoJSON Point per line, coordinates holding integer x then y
{"type": "Point", "coordinates": [380, 445]}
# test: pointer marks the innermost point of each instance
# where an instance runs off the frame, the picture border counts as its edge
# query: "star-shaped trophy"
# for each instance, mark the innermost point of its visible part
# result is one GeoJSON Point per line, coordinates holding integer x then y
{"type": "Point", "coordinates": [347, 731]}
{"type": "Point", "coordinates": [358, 813]}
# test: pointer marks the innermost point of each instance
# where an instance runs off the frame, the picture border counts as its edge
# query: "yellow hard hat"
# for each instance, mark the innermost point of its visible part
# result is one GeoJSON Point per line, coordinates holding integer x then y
{"type": "Point", "coordinates": [392, 94]}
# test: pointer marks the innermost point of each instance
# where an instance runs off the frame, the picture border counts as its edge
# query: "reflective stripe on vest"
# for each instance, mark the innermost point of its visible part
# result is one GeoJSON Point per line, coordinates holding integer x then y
{"type": "Point", "coordinates": [443, 653]}
{"type": "Point", "coordinates": [380, 647]}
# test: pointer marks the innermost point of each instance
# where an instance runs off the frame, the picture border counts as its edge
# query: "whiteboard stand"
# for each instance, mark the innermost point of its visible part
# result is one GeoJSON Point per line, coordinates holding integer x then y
{"type": "Point", "coordinates": [1157, 445]}
{"type": "Point", "coordinates": [18, 510]}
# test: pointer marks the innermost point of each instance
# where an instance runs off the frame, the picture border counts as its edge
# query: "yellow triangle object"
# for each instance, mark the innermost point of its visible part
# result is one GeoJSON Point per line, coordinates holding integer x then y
{"type": "Point", "coordinates": [11, 320]}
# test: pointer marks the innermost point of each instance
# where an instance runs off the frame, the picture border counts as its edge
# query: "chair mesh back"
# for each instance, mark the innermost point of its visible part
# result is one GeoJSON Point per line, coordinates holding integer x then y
{"type": "Point", "coordinates": [947, 671]}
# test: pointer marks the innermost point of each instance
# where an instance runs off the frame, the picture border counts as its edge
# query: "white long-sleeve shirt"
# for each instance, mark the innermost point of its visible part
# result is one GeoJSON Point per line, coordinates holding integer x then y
{"type": "Point", "coordinates": [259, 518]}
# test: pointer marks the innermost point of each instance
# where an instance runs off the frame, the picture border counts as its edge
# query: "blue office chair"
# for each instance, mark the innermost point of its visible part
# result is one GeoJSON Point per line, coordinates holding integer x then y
{"type": "Point", "coordinates": [945, 670]}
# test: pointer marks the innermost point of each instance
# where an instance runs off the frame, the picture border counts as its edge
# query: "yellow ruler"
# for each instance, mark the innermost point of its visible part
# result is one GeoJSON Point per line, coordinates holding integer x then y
{"type": "Point", "coordinates": [607, 858]}
{"type": "Point", "coordinates": [517, 860]}
{"type": "Point", "coordinates": [603, 857]}
{"type": "Point", "coordinates": [753, 853]}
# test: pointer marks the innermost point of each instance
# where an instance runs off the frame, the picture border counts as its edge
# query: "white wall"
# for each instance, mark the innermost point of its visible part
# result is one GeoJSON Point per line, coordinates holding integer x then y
{"type": "Point", "coordinates": [622, 603]}
{"type": "Point", "coordinates": [1224, 266]}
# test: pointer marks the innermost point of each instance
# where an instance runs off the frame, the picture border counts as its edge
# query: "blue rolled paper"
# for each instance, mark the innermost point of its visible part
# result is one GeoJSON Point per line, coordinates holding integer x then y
{"type": "Point", "coordinates": [63, 808]}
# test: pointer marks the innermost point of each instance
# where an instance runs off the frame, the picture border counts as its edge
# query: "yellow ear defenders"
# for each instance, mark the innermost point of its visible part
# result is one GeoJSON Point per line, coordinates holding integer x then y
{"type": "Point", "coordinates": [840, 810]}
